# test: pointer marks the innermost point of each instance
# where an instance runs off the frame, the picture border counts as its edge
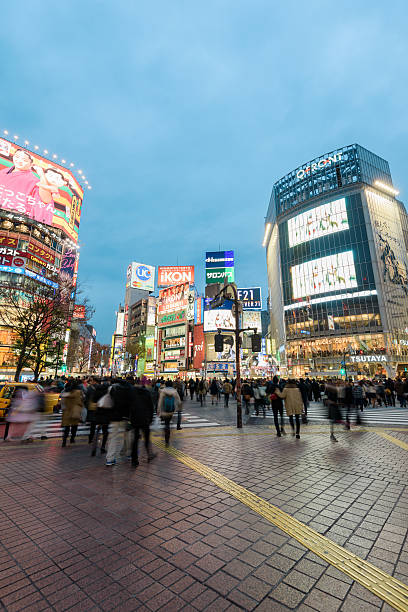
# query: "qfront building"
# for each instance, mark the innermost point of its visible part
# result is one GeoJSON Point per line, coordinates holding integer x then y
{"type": "Point", "coordinates": [336, 239]}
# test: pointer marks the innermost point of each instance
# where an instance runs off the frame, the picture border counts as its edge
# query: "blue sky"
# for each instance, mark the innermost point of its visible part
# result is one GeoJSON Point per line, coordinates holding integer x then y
{"type": "Point", "coordinates": [182, 114]}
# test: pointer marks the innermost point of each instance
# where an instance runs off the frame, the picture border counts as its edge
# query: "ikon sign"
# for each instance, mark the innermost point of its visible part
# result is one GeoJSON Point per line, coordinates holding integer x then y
{"type": "Point", "coordinates": [173, 275]}
{"type": "Point", "coordinates": [318, 165]}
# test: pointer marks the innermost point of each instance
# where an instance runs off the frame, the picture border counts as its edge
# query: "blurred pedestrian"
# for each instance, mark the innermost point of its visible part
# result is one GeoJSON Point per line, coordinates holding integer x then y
{"type": "Point", "coordinates": [214, 391]}
{"type": "Point", "coordinates": [277, 406]}
{"type": "Point", "coordinates": [227, 388]}
{"type": "Point", "coordinates": [293, 404]}
{"type": "Point", "coordinates": [141, 416]}
{"type": "Point", "coordinates": [169, 402]}
{"type": "Point", "coordinates": [121, 394]}
{"type": "Point", "coordinates": [72, 404]}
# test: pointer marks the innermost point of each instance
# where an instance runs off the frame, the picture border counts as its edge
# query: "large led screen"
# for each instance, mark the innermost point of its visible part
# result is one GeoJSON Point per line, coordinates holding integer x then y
{"type": "Point", "coordinates": [40, 189]}
{"type": "Point", "coordinates": [218, 319]}
{"type": "Point", "coordinates": [323, 275]}
{"type": "Point", "coordinates": [321, 221]}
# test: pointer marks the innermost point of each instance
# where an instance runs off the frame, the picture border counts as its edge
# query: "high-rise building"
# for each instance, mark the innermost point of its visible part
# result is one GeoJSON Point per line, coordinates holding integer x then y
{"type": "Point", "coordinates": [336, 250]}
{"type": "Point", "coordinates": [40, 212]}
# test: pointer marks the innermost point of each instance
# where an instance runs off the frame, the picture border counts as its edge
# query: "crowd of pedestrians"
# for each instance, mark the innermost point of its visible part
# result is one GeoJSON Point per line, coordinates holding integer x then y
{"type": "Point", "coordinates": [122, 410]}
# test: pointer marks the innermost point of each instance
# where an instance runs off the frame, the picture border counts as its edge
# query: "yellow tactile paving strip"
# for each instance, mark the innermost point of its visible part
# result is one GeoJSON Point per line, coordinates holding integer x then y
{"type": "Point", "coordinates": [387, 588]}
{"type": "Point", "coordinates": [396, 441]}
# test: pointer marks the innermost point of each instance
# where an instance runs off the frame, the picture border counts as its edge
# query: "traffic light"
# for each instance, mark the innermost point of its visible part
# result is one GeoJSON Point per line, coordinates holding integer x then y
{"type": "Point", "coordinates": [63, 368]}
{"type": "Point", "coordinates": [218, 342]}
{"type": "Point", "coordinates": [256, 343]}
{"type": "Point", "coordinates": [342, 371]}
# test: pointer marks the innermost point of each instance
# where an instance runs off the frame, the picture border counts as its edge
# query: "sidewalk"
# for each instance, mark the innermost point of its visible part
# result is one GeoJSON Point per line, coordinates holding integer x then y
{"type": "Point", "coordinates": [197, 529]}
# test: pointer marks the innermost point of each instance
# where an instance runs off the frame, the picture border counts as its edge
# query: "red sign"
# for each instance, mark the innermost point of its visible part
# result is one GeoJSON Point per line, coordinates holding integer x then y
{"type": "Point", "coordinates": [37, 249]}
{"type": "Point", "coordinates": [174, 275]}
{"type": "Point", "coordinates": [198, 347]}
{"type": "Point", "coordinates": [173, 298]}
{"type": "Point", "coordinates": [79, 312]}
{"type": "Point", "coordinates": [8, 242]}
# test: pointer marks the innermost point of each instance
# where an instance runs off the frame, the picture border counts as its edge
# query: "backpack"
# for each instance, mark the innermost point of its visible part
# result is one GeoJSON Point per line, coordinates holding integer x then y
{"type": "Point", "coordinates": [169, 404]}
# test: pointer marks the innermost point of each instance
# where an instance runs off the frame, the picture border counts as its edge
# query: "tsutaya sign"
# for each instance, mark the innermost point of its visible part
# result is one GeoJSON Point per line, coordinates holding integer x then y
{"type": "Point", "coordinates": [318, 165]}
{"type": "Point", "coordinates": [368, 358]}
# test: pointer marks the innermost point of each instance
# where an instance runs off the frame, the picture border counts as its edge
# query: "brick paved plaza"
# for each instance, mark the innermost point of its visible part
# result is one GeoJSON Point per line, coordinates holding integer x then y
{"type": "Point", "coordinates": [77, 535]}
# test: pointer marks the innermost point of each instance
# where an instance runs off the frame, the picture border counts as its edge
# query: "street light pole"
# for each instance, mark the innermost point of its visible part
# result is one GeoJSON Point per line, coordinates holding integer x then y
{"type": "Point", "coordinates": [237, 331]}
{"type": "Point", "coordinates": [57, 363]}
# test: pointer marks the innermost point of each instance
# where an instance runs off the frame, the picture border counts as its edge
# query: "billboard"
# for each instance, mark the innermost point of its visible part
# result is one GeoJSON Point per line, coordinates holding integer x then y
{"type": "Point", "coordinates": [173, 275]}
{"type": "Point", "coordinates": [320, 221]}
{"type": "Point", "coordinates": [218, 275]}
{"type": "Point", "coordinates": [218, 319]}
{"type": "Point", "coordinates": [228, 353]}
{"type": "Point", "coordinates": [251, 298]}
{"type": "Point", "coordinates": [219, 259]}
{"type": "Point", "coordinates": [325, 274]}
{"type": "Point", "coordinates": [198, 347]}
{"type": "Point", "coordinates": [174, 298]}
{"type": "Point", "coordinates": [172, 318]}
{"type": "Point", "coordinates": [42, 190]}
{"type": "Point", "coordinates": [198, 310]}
{"type": "Point", "coordinates": [252, 319]}
{"type": "Point", "coordinates": [140, 276]}
{"type": "Point", "coordinates": [79, 311]}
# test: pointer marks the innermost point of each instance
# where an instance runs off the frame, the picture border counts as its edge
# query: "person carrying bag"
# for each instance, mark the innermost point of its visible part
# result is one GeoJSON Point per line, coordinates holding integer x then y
{"type": "Point", "coordinates": [169, 403]}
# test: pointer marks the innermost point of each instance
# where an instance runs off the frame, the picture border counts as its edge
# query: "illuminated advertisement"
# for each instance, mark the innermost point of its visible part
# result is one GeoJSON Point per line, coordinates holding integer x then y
{"type": "Point", "coordinates": [320, 221]}
{"type": "Point", "coordinates": [218, 275]}
{"type": "Point", "coordinates": [40, 189]}
{"type": "Point", "coordinates": [218, 319]}
{"type": "Point", "coordinates": [228, 352]}
{"type": "Point", "coordinates": [251, 298]}
{"type": "Point", "coordinates": [252, 319]}
{"type": "Point", "coordinates": [140, 276]}
{"type": "Point", "coordinates": [325, 274]}
{"type": "Point", "coordinates": [79, 311]}
{"type": "Point", "coordinates": [219, 259]}
{"type": "Point", "coordinates": [174, 298]}
{"type": "Point", "coordinates": [172, 318]}
{"type": "Point", "coordinates": [173, 275]}
{"type": "Point", "coordinates": [198, 310]}
{"type": "Point", "coordinates": [198, 347]}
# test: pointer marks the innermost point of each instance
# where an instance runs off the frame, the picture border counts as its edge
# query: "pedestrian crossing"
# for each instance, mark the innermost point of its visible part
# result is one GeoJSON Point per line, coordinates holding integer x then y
{"type": "Point", "coordinates": [382, 415]}
{"type": "Point", "coordinates": [51, 426]}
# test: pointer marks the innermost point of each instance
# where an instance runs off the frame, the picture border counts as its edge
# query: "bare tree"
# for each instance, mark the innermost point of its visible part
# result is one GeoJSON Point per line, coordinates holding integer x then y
{"type": "Point", "coordinates": [36, 313]}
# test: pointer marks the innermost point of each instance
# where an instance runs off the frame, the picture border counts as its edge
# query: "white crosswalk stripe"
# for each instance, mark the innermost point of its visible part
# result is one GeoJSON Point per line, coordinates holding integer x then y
{"type": "Point", "coordinates": [388, 415]}
{"type": "Point", "coordinates": [51, 426]}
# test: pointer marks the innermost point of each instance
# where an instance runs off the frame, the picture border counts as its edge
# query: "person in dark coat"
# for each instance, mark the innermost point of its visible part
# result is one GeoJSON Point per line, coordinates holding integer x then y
{"type": "Point", "coordinates": [97, 416]}
{"type": "Point", "coordinates": [141, 416]}
{"type": "Point", "coordinates": [277, 406]}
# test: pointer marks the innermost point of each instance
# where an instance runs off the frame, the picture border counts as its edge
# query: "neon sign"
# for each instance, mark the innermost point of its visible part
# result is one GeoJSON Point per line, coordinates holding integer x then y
{"type": "Point", "coordinates": [318, 165]}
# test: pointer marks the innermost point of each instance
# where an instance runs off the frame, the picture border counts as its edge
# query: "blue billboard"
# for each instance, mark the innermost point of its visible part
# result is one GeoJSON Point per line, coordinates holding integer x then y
{"type": "Point", "coordinates": [251, 298]}
{"type": "Point", "coordinates": [219, 259]}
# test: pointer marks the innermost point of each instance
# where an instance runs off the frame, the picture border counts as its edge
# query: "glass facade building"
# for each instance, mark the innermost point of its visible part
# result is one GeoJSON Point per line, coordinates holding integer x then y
{"type": "Point", "coordinates": [336, 246]}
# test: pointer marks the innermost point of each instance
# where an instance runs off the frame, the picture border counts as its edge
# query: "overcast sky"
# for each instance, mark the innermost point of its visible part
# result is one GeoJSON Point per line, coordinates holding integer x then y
{"type": "Point", "coordinates": [182, 114]}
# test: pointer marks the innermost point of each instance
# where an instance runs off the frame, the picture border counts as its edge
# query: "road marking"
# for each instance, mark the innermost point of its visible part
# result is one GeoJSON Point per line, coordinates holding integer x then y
{"type": "Point", "coordinates": [384, 586]}
{"type": "Point", "coordinates": [400, 443]}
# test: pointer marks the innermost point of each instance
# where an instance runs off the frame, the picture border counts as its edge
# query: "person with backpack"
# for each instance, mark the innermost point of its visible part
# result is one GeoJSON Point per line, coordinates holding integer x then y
{"type": "Point", "coordinates": [169, 402]}
{"type": "Point", "coordinates": [121, 394]}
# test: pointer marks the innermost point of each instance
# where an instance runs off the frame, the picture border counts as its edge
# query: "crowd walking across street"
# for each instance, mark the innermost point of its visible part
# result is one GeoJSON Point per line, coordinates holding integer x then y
{"type": "Point", "coordinates": [120, 411]}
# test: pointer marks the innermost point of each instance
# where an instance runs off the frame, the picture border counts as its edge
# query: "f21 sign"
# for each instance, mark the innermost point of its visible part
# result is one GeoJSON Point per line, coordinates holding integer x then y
{"type": "Point", "coordinates": [251, 298]}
